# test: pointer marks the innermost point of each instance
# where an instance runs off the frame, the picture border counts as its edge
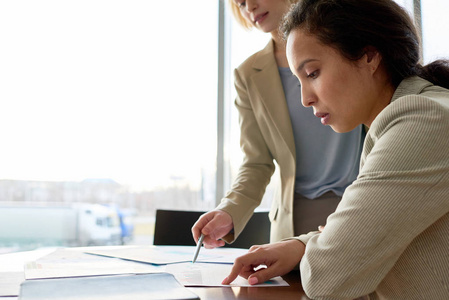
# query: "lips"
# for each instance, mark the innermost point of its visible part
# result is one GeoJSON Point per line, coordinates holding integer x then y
{"type": "Point", "coordinates": [324, 117]}
{"type": "Point", "coordinates": [260, 17]}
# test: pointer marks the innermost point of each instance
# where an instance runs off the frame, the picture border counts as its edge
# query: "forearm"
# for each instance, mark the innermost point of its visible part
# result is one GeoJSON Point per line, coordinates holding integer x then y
{"type": "Point", "coordinates": [245, 195]}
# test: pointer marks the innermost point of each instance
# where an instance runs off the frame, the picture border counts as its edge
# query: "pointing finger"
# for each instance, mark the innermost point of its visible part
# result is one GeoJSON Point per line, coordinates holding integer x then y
{"type": "Point", "coordinates": [235, 271]}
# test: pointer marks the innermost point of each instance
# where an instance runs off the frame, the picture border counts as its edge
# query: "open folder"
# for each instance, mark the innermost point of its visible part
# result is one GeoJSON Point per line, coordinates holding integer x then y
{"type": "Point", "coordinates": [117, 287]}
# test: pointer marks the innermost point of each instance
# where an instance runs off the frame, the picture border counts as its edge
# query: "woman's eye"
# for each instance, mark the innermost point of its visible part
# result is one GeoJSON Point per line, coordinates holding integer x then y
{"type": "Point", "coordinates": [241, 4]}
{"type": "Point", "coordinates": [313, 75]}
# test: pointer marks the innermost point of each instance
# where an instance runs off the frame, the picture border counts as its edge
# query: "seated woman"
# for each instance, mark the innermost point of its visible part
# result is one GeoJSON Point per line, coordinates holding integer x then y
{"type": "Point", "coordinates": [358, 63]}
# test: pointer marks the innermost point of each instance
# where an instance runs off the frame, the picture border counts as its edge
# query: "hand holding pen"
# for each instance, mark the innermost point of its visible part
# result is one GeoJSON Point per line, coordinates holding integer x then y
{"type": "Point", "coordinates": [214, 225]}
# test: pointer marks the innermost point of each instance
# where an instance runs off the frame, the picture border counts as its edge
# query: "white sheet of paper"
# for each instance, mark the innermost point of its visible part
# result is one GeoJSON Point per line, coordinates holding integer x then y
{"type": "Point", "coordinates": [73, 263]}
{"type": "Point", "coordinates": [210, 274]}
{"type": "Point", "coordinates": [11, 269]}
{"type": "Point", "coordinates": [172, 254]}
{"type": "Point", "coordinates": [13, 262]}
{"type": "Point", "coordinates": [10, 283]}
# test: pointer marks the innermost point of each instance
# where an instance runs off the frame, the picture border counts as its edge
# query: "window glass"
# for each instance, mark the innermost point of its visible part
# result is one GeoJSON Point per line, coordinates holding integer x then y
{"type": "Point", "coordinates": [434, 29]}
{"type": "Point", "coordinates": [110, 102]}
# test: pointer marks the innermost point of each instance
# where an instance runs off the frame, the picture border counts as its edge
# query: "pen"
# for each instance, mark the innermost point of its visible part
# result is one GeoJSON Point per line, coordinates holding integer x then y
{"type": "Point", "coordinates": [198, 247]}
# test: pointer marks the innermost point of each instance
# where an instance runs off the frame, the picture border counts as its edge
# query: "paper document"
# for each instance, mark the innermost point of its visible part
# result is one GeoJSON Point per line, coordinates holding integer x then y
{"type": "Point", "coordinates": [74, 262]}
{"type": "Point", "coordinates": [10, 283]}
{"type": "Point", "coordinates": [172, 254]}
{"type": "Point", "coordinates": [13, 262]}
{"type": "Point", "coordinates": [209, 274]}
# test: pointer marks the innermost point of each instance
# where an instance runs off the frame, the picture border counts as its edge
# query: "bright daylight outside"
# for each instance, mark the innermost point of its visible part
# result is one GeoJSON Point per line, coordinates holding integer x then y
{"type": "Point", "coordinates": [108, 111]}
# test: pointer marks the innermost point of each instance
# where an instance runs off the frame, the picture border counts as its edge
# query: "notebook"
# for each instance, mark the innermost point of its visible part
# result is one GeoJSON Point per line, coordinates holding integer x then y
{"type": "Point", "coordinates": [112, 287]}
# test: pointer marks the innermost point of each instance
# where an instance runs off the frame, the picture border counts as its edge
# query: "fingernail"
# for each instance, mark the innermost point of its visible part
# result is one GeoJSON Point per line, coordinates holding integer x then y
{"type": "Point", "coordinates": [253, 280]}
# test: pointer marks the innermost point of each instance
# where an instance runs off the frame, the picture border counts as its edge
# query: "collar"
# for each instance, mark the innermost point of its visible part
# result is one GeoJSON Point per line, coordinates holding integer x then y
{"type": "Point", "coordinates": [265, 56]}
{"type": "Point", "coordinates": [413, 85]}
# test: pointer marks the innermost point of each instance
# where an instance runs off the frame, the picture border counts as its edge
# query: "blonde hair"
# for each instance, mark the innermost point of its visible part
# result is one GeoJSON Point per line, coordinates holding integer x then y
{"type": "Point", "coordinates": [235, 9]}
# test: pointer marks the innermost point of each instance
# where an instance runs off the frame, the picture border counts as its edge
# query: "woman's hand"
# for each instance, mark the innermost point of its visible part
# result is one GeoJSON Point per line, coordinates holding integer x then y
{"type": "Point", "coordinates": [276, 260]}
{"type": "Point", "coordinates": [214, 225]}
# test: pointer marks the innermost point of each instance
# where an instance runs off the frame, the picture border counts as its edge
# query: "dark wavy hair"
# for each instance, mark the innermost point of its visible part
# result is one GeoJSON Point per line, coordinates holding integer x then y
{"type": "Point", "coordinates": [350, 26]}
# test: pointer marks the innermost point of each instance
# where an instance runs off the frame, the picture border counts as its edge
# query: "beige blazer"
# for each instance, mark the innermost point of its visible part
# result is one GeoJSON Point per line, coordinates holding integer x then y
{"type": "Point", "coordinates": [266, 135]}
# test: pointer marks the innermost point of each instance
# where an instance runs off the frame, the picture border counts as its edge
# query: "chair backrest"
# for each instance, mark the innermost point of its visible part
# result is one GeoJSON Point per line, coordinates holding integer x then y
{"type": "Point", "coordinates": [173, 227]}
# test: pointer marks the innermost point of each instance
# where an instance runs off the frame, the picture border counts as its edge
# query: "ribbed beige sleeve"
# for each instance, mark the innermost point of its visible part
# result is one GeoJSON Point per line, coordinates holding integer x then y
{"type": "Point", "coordinates": [390, 234]}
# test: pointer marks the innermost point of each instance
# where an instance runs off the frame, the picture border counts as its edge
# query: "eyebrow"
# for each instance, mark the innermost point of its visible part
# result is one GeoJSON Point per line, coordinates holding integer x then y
{"type": "Point", "coordinates": [301, 66]}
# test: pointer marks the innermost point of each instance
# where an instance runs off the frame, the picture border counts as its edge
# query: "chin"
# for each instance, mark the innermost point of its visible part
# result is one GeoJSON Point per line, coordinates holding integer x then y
{"type": "Point", "coordinates": [341, 129]}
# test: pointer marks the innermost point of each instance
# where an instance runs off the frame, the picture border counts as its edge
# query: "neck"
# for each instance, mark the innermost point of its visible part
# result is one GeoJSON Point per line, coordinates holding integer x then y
{"type": "Point", "coordinates": [279, 50]}
{"type": "Point", "coordinates": [386, 93]}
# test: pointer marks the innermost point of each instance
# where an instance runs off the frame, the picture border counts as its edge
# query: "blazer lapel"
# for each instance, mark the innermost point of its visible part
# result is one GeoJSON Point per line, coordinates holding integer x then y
{"type": "Point", "coordinates": [269, 85]}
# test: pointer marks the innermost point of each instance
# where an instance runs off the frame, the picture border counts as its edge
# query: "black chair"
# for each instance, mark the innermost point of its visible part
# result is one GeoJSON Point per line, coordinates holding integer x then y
{"type": "Point", "coordinates": [173, 227]}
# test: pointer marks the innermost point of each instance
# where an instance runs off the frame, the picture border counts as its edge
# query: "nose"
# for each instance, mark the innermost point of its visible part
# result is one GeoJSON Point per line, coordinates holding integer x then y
{"type": "Point", "coordinates": [307, 96]}
{"type": "Point", "coordinates": [251, 5]}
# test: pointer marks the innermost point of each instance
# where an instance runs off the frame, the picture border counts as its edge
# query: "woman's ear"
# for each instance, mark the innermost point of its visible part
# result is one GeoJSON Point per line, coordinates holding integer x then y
{"type": "Point", "coordinates": [372, 58]}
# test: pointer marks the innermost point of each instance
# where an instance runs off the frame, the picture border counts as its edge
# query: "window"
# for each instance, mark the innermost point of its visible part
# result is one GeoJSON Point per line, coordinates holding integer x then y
{"type": "Point", "coordinates": [430, 16]}
{"type": "Point", "coordinates": [109, 102]}
{"type": "Point", "coordinates": [434, 23]}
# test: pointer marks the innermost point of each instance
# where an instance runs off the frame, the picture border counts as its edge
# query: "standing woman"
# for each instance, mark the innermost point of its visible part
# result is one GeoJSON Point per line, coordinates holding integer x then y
{"type": "Point", "coordinates": [316, 164]}
{"type": "Point", "coordinates": [358, 63]}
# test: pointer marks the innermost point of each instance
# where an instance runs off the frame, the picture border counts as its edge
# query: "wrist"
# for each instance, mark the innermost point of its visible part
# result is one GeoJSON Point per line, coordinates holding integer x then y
{"type": "Point", "coordinates": [297, 248]}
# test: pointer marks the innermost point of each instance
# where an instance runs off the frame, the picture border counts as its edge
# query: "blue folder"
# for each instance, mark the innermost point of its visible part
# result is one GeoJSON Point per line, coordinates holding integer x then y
{"type": "Point", "coordinates": [112, 287]}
